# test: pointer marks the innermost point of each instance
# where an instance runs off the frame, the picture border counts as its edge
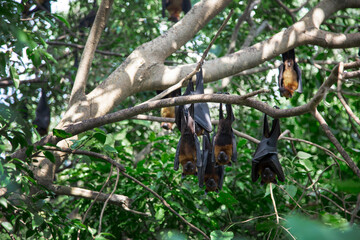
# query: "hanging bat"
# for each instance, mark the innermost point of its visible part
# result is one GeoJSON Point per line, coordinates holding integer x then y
{"type": "Point", "coordinates": [188, 149]}
{"type": "Point", "coordinates": [175, 7]}
{"type": "Point", "coordinates": [289, 75]}
{"type": "Point", "coordinates": [202, 113]}
{"type": "Point", "coordinates": [265, 162]}
{"type": "Point", "coordinates": [169, 111]}
{"type": "Point", "coordinates": [212, 175]}
{"type": "Point", "coordinates": [224, 141]}
{"type": "Point", "coordinates": [42, 119]}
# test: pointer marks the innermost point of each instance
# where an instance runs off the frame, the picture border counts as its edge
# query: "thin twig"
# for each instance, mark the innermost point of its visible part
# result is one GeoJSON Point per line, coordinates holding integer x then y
{"type": "Point", "coordinates": [247, 220]}
{"type": "Point", "coordinates": [294, 200]}
{"type": "Point", "coordinates": [185, 79]}
{"type": "Point", "coordinates": [274, 203]}
{"type": "Point", "coordinates": [337, 205]}
{"type": "Point", "coordinates": [337, 144]}
{"type": "Point", "coordinates": [356, 210]}
{"type": "Point", "coordinates": [321, 175]}
{"type": "Point", "coordinates": [102, 188]}
{"type": "Point", "coordinates": [107, 200]}
{"type": "Point", "coordinates": [340, 96]}
{"type": "Point", "coordinates": [165, 204]}
{"type": "Point", "coordinates": [288, 232]}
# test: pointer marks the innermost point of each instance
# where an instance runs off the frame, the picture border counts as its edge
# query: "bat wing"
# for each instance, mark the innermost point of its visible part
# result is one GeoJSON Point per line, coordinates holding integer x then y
{"type": "Point", "coordinates": [280, 77]}
{"type": "Point", "coordinates": [298, 72]}
{"type": "Point", "coordinates": [199, 163]}
{"type": "Point", "coordinates": [186, 6]}
{"type": "Point", "coordinates": [205, 155]}
{"type": "Point", "coordinates": [275, 132]}
{"type": "Point", "coordinates": [234, 150]}
{"type": "Point", "coordinates": [163, 8]}
{"type": "Point", "coordinates": [176, 161]}
{"type": "Point", "coordinates": [276, 167]}
{"type": "Point", "coordinates": [221, 173]}
{"type": "Point", "coordinates": [202, 116]}
{"type": "Point", "coordinates": [178, 113]}
{"type": "Point", "coordinates": [254, 169]}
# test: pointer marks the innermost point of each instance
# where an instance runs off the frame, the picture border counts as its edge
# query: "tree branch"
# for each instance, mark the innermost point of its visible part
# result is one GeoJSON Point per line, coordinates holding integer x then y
{"type": "Point", "coordinates": [338, 146]}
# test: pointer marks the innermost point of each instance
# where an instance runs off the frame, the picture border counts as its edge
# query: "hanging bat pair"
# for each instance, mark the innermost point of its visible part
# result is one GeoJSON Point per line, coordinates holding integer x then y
{"type": "Point", "coordinates": [169, 112]}
{"type": "Point", "coordinates": [192, 121]}
{"type": "Point", "coordinates": [289, 75]}
{"type": "Point", "coordinates": [42, 119]}
{"type": "Point", "coordinates": [175, 7]}
{"type": "Point", "coordinates": [212, 175]}
{"type": "Point", "coordinates": [265, 162]}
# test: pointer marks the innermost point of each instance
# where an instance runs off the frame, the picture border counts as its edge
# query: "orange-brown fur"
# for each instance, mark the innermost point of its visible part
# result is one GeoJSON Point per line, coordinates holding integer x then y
{"type": "Point", "coordinates": [290, 82]}
{"type": "Point", "coordinates": [168, 112]}
{"type": "Point", "coordinates": [227, 149]}
{"type": "Point", "coordinates": [174, 8]}
{"type": "Point", "coordinates": [187, 155]}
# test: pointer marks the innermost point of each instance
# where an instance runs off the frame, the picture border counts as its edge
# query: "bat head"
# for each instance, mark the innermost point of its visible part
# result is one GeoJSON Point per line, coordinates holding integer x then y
{"type": "Point", "coordinates": [267, 176]}
{"type": "Point", "coordinates": [211, 185]}
{"type": "Point", "coordinates": [189, 168]}
{"type": "Point", "coordinates": [284, 92]}
{"type": "Point", "coordinates": [289, 63]}
{"type": "Point", "coordinates": [222, 158]}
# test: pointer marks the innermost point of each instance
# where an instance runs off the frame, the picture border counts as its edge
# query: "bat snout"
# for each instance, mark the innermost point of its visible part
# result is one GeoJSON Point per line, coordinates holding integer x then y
{"type": "Point", "coordinates": [211, 185]}
{"type": "Point", "coordinates": [189, 168]}
{"type": "Point", "coordinates": [222, 158]}
{"type": "Point", "coordinates": [166, 126]}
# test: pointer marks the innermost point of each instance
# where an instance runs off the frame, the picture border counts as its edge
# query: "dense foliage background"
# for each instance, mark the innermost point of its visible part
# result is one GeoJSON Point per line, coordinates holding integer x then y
{"type": "Point", "coordinates": [43, 50]}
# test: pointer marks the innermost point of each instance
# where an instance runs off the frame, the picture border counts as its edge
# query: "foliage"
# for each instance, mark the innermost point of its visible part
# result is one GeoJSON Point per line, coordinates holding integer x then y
{"type": "Point", "coordinates": [27, 53]}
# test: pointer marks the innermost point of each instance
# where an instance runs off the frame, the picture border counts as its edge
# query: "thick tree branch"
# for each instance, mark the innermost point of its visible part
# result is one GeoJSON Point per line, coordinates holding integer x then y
{"type": "Point", "coordinates": [115, 199]}
{"type": "Point", "coordinates": [78, 91]}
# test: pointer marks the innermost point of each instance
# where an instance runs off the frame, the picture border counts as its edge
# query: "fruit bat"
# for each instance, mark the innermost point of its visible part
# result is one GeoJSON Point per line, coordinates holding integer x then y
{"type": "Point", "coordinates": [202, 113]}
{"type": "Point", "coordinates": [42, 119]}
{"type": "Point", "coordinates": [175, 7]}
{"type": "Point", "coordinates": [224, 143]}
{"type": "Point", "coordinates": [188, 149]}
{"type": "Point", "coordinates": [169, 111]}
{"type": "Point", "coordinates": [289, 75]}
{"type": "Point", "coordinates": [211, 174]}
{"type": "Point", "coordinates": [265, 162]}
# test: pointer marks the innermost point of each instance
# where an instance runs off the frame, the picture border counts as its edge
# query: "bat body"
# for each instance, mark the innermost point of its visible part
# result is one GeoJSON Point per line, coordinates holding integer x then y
{"type": "Point", "coordinates": [289, 75]}
{"type": "Point", "coordinates": [42, 119]}
{"type": "Point", "coordinates": [175, 7]}
{"type": "Point", "coordinates": [265, 163]}
{"type": "Point", "coordinates": [224, 146]}
{"type": "Point", "coordinates": [169, 112]}
{"type": "Point", "coordinates": [213, 175]}
{"type": "Point", "coordinates": [202, 113]}
{"type": "Point", "coordinates": [188, 149]}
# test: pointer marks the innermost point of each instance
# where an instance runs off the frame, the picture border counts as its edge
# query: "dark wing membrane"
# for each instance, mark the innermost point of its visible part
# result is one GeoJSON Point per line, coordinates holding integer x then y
{"type": "Point", "coordinates": [176, 161]}
{"type": "Point", "coordinates": [299, 79]}
{"type": "Point", "coordinates": [234, 150]}
{"type": "Point", "coordinates": [276, 167]}
{"type": "Point", "coordinates": [220, 172]}
{"type": "Point", "coordinates": [254, 170]}
{"type": "Point", "coordinates": [280, 78]}
{"type": "Point", "coordinates": [275, 132]}
{"type": "Point", "coordinates": [186, 6]}
{"type": "Point", "coordinates": [163, 8]}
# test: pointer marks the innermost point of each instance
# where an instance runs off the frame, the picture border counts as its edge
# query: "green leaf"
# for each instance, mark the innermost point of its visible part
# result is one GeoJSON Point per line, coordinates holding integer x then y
{"type": "Point", "coordinates": [37, 221]}
{"type": "Point", "coordinates": [15, 77]}
{"type": "Point", "coordinates": [349, 186]}
{"type": "Point", "coordinates": [307, 164]}
{"type": "Point", "coordinates": [3, 202]}
{"type": "Point", "coordinates": [7, 226]}
{"type": "Point", "coordinates": [61, 133]}
{"type": "Point", "coordinates": [50, 156]}
{"type": "Point", "coordinates": [100, 137]}
{"type": "Point", "coordinates": [108, 148]}
{"type": "Point", "coordinates": [220, 235]}
{"type": "Point", "coordinates": [303, 155]}
{"type": "Point", "coordinates": [160, 214]}
{"type": "Point", "coordinates": [62, 19]}
{"type": "Point", "coordinates": [291, 189]}
{"type": "Point", "coordinates": [227, 199]}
